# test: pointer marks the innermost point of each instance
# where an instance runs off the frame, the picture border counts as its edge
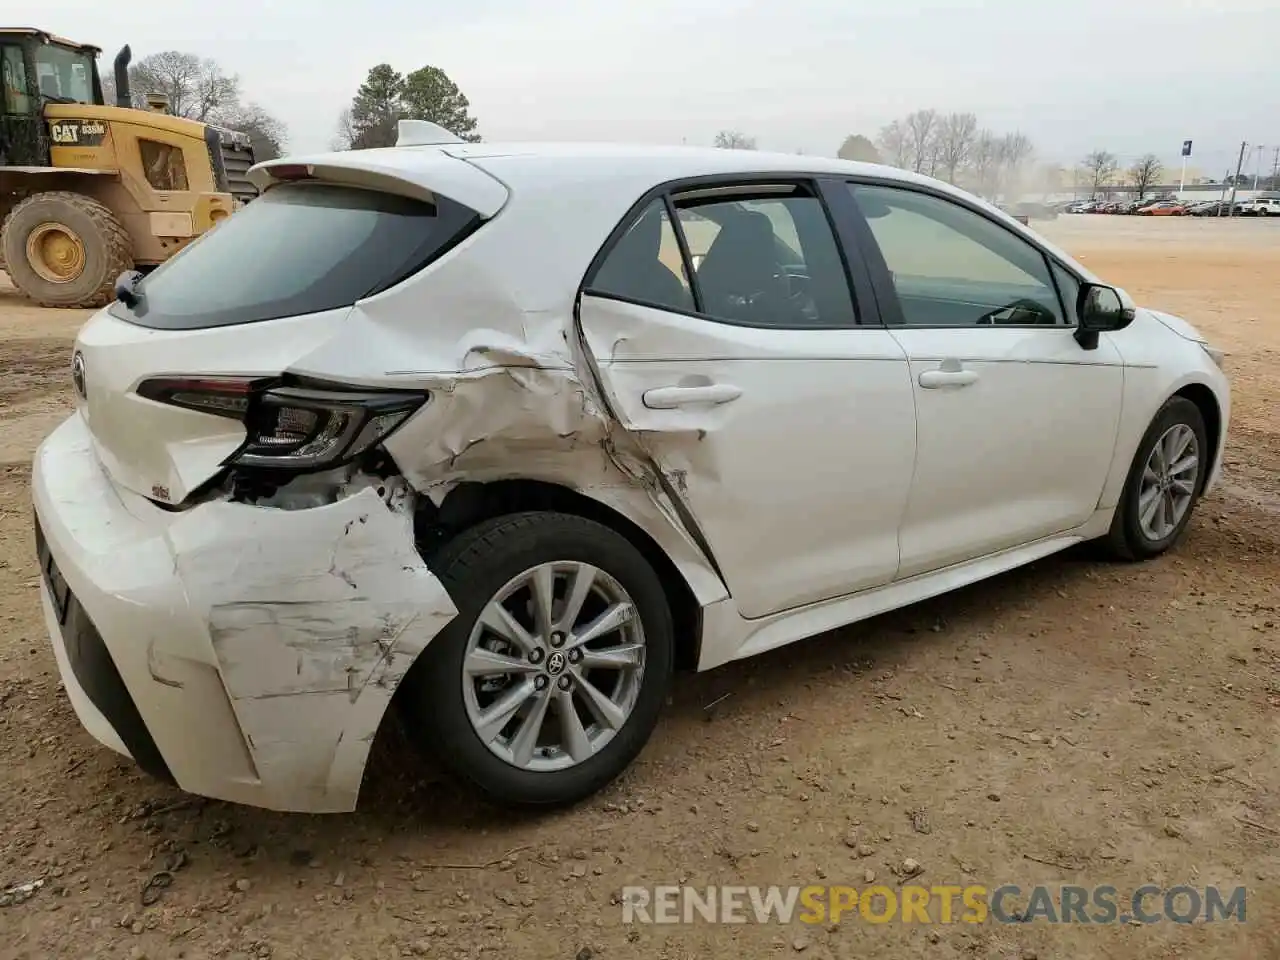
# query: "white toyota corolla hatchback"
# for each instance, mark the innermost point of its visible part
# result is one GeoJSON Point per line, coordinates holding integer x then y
{"type": "Point", "coordinates": [500, 436]}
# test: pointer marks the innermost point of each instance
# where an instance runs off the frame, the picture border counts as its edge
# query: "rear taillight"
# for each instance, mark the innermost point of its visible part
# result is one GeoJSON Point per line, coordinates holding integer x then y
{"type": "Point", "coordinates": [291, 427]}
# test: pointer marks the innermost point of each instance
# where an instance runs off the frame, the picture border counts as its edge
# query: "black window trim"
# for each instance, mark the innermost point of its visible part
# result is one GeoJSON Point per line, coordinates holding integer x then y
{"type": "Point", "coordinates": [881, 277]}
{"type": "Point", "coordinates": [866, 312]}
{"type": "Point", "coordinates": [686, 258]}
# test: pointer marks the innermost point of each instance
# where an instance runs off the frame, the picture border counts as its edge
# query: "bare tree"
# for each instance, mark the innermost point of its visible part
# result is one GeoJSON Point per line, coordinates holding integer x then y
{"type": "Point", "coordinates": [345, 134]}
{"type": "Point", "coordinates": [734, 140]}
{"type": "Point", "coordinates": [1100, 167]}
{"type": "Point", "coordinates": [1014, 151]}
{"type": "Point", "coordinates": [984, 163]}
{"type": "Point", "coordinates": [1145, 172]}
{"type": "Point", "coordinates": [267, 134]}
{"type": "Point", "coordinates": [858, 147]}
{"type": "Point", "coordinates": [922, 133]}
{"type": "Point", "coordinates": [1049, 178]}
{"type": "Point", "coordinates": [895, 144]}
{"type": "Point", "coordinates": [956, 135]}
{"type": "Point", "coordinates": [196, 88]}
{"type": "Point", "coordinates": [199, 89]}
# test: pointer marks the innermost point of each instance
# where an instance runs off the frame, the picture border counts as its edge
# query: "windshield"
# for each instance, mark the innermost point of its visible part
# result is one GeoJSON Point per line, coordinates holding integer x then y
{"type": "Point", "coordinates": [63, 74]}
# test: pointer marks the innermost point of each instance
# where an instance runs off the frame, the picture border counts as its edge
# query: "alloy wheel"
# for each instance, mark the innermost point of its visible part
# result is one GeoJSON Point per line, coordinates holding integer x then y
{"type": "Point", "coordinates": [1168, 483]}
{"type": "Point", "coordinates": [553, 666]}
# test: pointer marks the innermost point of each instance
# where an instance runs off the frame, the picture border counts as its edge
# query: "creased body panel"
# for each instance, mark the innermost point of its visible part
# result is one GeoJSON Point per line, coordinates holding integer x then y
{"type": "Point", "coordinates": [799, 480]}
{"type": "Point", "coordinates": [261, 646]}
{"type": "Point", "coordinates": [162, 451]}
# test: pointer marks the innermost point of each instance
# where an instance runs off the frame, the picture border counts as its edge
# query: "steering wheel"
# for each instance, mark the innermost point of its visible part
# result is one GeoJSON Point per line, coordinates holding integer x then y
{"type": "Point", "coordinates": [1014, 313]}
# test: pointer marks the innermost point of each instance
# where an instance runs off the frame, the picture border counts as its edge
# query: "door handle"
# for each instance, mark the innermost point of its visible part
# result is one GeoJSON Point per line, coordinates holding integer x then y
{"type": "Point", "coordinates": [933, 379]}
{"type": "Point", "coordinates": [669, 398]}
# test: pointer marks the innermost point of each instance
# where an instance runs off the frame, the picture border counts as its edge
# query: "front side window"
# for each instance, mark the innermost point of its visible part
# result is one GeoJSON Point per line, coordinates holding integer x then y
{"type": "Point", "coordinates": [954, 267]}
{"type": "Point", "coordinates": [299, 248]}
{"type": "Point", "coordinates": [65, 75]}
{"type": "Point", "coordinates": [13, 73]}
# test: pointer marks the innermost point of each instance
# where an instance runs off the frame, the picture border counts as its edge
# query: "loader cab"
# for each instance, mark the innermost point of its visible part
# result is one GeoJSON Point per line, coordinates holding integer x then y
{"type": "Point", "coordinates": [38, 68]}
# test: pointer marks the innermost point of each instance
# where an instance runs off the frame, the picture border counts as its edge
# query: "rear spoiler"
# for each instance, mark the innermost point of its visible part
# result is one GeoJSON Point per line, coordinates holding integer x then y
{"type": "Point", "coordinates": [418, 173]}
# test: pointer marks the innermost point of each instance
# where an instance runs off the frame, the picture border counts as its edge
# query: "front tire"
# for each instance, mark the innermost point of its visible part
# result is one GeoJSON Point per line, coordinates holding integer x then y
{"type": "Point", "coordinates": [64, 249]}
{"type": "Point", "coordinates": [551, 678]}
{"type": "Point", "coordinates": [1164, 483]}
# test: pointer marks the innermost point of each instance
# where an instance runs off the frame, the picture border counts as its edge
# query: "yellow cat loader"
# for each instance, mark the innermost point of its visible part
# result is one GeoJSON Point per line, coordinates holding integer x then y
{"type": "Point", "coordinates": [89, 190]}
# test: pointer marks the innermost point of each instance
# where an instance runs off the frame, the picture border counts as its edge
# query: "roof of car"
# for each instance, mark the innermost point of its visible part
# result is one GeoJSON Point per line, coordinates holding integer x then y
{"type": "Point", "coordinates": [625, 161]}
{"type": "Point", "coordinates": [657, 163]}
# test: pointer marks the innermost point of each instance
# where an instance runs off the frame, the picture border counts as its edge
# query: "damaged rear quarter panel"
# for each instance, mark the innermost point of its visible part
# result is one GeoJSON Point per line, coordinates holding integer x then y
{"type": "Point", "coordinates": [314, 617]}
{"type": "Point", "coordinates": [512, 395]}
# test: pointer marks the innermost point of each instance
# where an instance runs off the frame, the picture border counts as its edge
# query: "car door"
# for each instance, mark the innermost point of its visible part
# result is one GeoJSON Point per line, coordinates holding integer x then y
{"type": "Point", "coordinates": [1016, 422]}
{"type": "Point", "coordinates": [783, 426]}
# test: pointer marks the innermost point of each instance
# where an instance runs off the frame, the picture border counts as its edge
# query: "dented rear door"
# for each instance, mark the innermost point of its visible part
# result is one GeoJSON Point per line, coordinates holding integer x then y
{"type": "Point", "coordinates": [791, 449]}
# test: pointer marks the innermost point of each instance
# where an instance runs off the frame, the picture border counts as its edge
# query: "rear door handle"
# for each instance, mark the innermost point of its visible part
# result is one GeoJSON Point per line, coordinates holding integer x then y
{"type": "Point", "coordinates": [669, 398]}
{"type": "Point", "coordinates": [933, 379]}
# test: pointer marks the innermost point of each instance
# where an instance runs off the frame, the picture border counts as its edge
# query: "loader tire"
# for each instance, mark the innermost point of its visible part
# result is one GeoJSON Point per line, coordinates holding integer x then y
{"type": "Point", "coordinates": [64, 249]}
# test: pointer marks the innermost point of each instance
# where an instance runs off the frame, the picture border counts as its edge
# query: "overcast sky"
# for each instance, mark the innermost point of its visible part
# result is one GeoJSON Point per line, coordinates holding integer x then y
{"type": "Point", "coordinates": [1123, 75]}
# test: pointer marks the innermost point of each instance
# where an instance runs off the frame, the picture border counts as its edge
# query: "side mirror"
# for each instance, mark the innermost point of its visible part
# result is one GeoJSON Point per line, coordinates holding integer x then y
{"type": "Point", "coordinates": [1101, 309]}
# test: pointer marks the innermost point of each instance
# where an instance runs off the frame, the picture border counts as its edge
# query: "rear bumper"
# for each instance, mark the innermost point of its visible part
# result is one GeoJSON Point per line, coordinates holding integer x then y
{"type": "Point", "coordinates": [244, 653]}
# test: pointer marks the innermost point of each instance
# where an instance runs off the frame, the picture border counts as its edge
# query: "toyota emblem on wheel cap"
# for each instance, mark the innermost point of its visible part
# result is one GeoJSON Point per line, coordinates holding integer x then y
{"type": "Point", "coordinates": [78, 374]}
{"type": "Point", "coordinates": [555, 663]}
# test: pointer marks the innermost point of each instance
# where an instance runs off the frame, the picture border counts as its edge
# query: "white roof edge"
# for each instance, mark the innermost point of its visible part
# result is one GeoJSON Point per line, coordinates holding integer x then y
{"type": "Point", "coordinates": [421, 173]}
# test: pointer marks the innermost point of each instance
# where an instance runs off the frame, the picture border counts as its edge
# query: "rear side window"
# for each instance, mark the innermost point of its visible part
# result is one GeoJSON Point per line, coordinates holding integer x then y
{"type": "Point", "coordinates": [754, 255]}
{"type": "Point", "coordinates": [645, 265]}
{"type": "Point", "coordinates": [299, 248]}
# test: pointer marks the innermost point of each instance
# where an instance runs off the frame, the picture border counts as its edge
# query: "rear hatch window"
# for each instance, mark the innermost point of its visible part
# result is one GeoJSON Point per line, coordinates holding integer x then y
{"type": "Point", "coordinates": [300, 248]}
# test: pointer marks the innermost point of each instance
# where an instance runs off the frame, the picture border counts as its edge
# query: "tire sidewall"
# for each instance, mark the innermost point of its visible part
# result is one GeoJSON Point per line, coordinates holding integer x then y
{"type": "Point", "coordinates": [1175, 411]}
{"type": "Point", "coordinates": [437, 698]}
{"type": "Point", "coordinates": [52, 209]}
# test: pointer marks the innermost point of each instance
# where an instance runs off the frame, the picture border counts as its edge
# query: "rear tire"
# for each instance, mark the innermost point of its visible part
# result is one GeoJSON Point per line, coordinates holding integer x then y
{"type": "Point", "coordinates": [64, 249]}
{"type": "Point", "coordinates": [1159, 497]}
{"type": "Point", "coordinates": [452, 693]}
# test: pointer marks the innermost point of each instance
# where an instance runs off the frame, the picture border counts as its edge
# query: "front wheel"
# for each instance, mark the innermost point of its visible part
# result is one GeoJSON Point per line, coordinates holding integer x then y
{"type": "Point", "coordinates": [550, 680]}
{"type": "Point", "coordinates": [65, 249]}
{"type": "Point", "coordinates": [1165, 481]}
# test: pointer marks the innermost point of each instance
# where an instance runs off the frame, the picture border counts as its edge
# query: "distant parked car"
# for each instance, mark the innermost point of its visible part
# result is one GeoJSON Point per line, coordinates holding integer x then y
{"type": "Point", "coordinates": [1260, 207]}
{"type": "Point", "coordinates": [1163, 208]}
{"type": "Point", "coordinates": [1034, 211]}
{"type": "Point", "coordinates": [1216, 208]}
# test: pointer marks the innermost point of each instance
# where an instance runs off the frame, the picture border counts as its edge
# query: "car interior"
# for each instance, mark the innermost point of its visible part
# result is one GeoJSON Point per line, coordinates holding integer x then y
{"type": "Point", "coordinates": [921, 239]}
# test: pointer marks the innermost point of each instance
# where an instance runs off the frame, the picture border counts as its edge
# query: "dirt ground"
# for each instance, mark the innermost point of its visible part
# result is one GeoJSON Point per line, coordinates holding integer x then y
{"type": "Point", "coordinates": [1073, 722]}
